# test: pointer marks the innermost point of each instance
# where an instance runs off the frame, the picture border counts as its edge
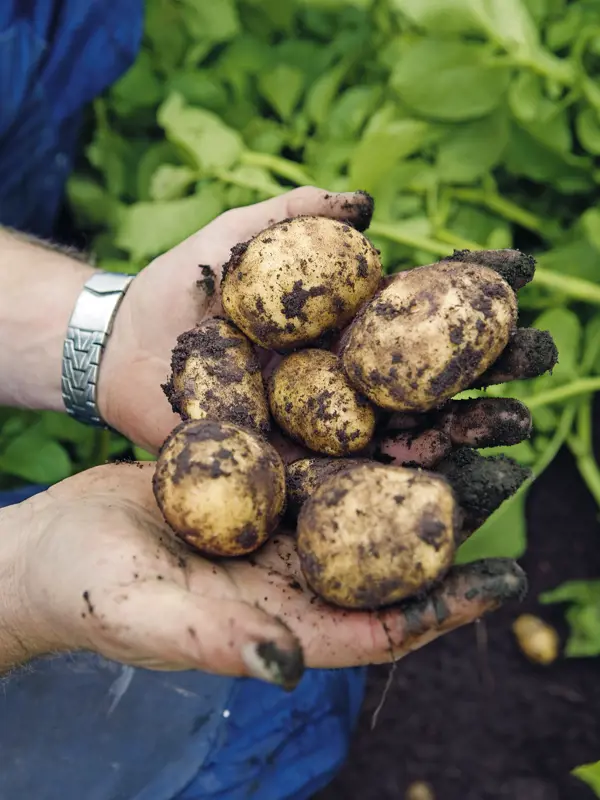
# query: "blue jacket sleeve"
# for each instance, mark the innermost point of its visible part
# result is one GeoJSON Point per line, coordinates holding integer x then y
{"type": "Point", "coordinates": [55, 57]}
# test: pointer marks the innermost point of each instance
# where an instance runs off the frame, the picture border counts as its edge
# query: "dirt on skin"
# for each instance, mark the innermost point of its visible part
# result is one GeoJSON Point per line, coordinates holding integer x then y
{"type": "Point", "coordinates": [469, 714]}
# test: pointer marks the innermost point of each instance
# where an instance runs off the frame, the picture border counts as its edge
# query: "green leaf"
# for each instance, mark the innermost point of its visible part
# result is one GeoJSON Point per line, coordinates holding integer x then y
{"type": "Point", "coordinates": [138, 88]}
{"type": "Point", "coordinates": [473, 149]}
{"type": "Point", "coordinates": [149, 229]}
{"type": "Point", "coordinates": [323, 91]}
{"type": "Point", "coordinates": [590, 774]}
{"type": "Point", "coordinates": [588, 130]}
{"type": "Point", "coordinates": [380, 149]}
{"type": "Point", "coordinates": [90, 202]}
{"type": "Point", "coordinates": [505, 21]}
{"type": "Point", "coordinates": [282, 87]}
{"type": "Point", "coordinates": [351, 111]}
{"type": "Point", "coordinates": [503, 535]}
{"type": "Point", "coordinates": [170, 182]}
{"type": "Point", "coordinates": [143, 455]}
{"type": "Point", "coordinates": [199, 87]}
{"type": "Point", "coordinates": [210, 144]}
{"type": "Point", "coordinates": [65, 428]}
{"type": "Point", "coordinates": [448, 80]}
{"type": "Point", "coordinates": [214, 22]}
{"type": "Point", "coordinates": [33, 456]}
{"type": "Point", "coordinates": [583, 615]}
{"type": "Point", "coordinates": [590, 220]}
{"type": "Point", "coordinates": [566, 330]}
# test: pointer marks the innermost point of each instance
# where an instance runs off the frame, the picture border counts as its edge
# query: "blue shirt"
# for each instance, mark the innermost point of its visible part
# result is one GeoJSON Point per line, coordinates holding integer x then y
{"type": "Point", "coordinates": [79, 727]}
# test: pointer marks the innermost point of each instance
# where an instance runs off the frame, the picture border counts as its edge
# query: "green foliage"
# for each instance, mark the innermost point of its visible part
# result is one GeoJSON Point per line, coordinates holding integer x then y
{"type": "Point", "coordinates": [475, 123]}
{"type": "Point", "coordinates": [590, 774]}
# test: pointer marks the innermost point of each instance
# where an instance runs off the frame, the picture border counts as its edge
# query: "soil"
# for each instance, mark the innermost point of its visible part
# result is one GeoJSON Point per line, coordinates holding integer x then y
{"type": "Point", "coordinates": [469, 714]}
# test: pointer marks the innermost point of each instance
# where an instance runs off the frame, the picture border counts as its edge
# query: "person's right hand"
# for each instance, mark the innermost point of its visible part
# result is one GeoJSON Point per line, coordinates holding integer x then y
{"type": "Point", "coordinates": [94, 567]}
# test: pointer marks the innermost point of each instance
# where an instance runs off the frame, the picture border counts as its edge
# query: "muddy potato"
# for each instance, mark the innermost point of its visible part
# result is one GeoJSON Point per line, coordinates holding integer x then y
{"type": "Point", "coordinates": [373, 535]}
{"type": "Point", "coordinates": [220, 488]}
{"type": "Point", "coordinates": [304, 476]}
{"type": "Point", "coordinates": [429, 334]}
{"type": "Point", "coordinates": [313, 402]}
{"type": "Point", "coordinates": [215, 374]}
{"type": "Point", "coordinates": [299, 279]}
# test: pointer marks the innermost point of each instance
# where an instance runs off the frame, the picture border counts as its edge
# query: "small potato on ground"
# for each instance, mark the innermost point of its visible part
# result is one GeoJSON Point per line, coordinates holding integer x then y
{"type": "Point", "coordinates": [219, 487]}
{"type": "Point", "coordinates": [372, 535]}
{"type": "Point", "coordinates": [429, 334]}
{"type": "Point", "coordinates": [298, 280]}
{"type": "Point", "coordinates": [215, 374]}
{"type": "Point", "coordinates": [312, 400]}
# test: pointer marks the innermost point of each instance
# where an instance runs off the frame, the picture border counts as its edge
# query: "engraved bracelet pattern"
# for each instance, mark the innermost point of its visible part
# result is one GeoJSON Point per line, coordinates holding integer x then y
{"type": "Point", "coordinates": [89, 328]}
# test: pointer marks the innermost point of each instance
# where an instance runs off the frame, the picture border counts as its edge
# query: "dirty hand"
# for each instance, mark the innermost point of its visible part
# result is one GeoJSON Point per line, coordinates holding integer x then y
{"type": "Point", "coordinates": [173, 294]}
{"type": "Point", "coordinates": [92, 566]}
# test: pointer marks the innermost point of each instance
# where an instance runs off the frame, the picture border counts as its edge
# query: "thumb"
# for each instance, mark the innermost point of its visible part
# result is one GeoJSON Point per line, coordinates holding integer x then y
{"type": "Point", "coordinates": [160, 625]}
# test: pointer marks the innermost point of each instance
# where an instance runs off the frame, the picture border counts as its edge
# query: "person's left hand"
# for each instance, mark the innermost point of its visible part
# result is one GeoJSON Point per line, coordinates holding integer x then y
{"type": "Point", "coordinates": [164, 301]}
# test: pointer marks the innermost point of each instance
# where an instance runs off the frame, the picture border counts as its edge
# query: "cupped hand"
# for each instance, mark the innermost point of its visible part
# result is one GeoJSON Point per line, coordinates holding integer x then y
{"type": "Point", "coordinates": [99, 570]}
{"type": "Point", "coordinates": [180, 288]}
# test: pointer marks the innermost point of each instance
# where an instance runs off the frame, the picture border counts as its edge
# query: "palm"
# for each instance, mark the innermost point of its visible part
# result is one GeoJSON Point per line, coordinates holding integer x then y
{"type": "Point", "coordinates": [145, 599]}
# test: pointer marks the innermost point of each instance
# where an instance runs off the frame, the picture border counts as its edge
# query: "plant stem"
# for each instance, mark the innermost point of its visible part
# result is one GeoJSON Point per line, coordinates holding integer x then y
{"type": "Point", "coordinates": [581, 445]}
{"type": "Point", "coordinates": [572, 287]}
{"type": "Point", "coordinates": [562, 393]}
{"type": "Point", "coordinates": [500, 205]}
{"type": "Point", "coordinates": [287, 169]}
{"type": "Point", "coordinates": [399, 234]}
{"type": "Point", "coordinates": [560, 436]}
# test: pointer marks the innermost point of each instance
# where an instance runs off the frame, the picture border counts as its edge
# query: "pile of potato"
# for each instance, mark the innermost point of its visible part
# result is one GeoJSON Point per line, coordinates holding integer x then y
{"type": "Point", "coordinates": [368, 534]}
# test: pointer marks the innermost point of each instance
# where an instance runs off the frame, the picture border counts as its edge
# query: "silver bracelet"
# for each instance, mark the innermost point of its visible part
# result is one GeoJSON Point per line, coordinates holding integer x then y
{"type": "Point", "coordinates": [89, 328]}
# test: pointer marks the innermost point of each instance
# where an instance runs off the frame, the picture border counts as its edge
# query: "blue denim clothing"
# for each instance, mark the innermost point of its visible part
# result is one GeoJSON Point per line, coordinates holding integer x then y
{"type": "Point", "coordinates": [79, 727]}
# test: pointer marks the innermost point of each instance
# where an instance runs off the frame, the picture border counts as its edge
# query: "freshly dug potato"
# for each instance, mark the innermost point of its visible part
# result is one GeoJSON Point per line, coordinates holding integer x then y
{"type": "Point", "coordinates": [221, 488]}
{"type": "Point", "coordinates": [373, 535]}
{"type": "Point", "coordinates": [429, 335]}
{"type": "Point", "coordinates": [313, 402]}
{"type": "Point", "coordinates": [215, 374]}
{"type": "Point", "coordinates": [304, 476]}
{"type": "Point", "coordinates": [298, 280]}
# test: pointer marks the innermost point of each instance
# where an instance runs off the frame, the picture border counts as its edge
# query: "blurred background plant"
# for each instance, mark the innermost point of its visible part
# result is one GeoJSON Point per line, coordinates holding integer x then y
{"type": "Point", "coordinates": [474, 123]}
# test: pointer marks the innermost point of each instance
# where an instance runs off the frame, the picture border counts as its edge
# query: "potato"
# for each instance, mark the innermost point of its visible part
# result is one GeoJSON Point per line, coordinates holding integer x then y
{"type": "Point", "coordinates": [429, 335]}
{"type": "Point", "coordinates": [298, 280]}
{"type": "Point", "coordinates": [215, 374]}
{"type": "Point", "coordinates": [304, 476]}
{"type": "Point", "coordinates": [373, 535]}
{"type": "Point", "coordinates": [220, 488]}
{"type": "Point", "coordinates": [313, 402]}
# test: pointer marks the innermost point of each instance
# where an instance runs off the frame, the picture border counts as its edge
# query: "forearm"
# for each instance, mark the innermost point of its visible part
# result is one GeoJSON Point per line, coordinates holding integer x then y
{"type": "Point", "coordinates": [38, 290]}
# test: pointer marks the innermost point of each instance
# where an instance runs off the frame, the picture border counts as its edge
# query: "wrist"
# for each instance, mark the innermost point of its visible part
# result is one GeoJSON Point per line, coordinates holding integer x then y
{"type": "Point", "coordinates": [39, 287]}
{"type": "Point", "coordinates": [21, 633]}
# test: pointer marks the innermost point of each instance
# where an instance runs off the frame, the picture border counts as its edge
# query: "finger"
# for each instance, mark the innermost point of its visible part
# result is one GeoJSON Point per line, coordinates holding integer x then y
{"type": "Point", "coordinates": [405, 448]}
{"type": "Point", "coordinates": [481, 484]}
{"type": "Point", "coordinates": [467, 593]}
{"type": "Point", "coordinates": [515, 267]}
{"type": "Point", "coordinates": [485, 422]}
{"type": "Point", "coordinates": [353, 207]}
{"type": "Point", "coordinates": [159, 625]}
{"type": "Point", "coordinates": [529, 354]}
{"type": "Point", "coordinates": [333, 637]}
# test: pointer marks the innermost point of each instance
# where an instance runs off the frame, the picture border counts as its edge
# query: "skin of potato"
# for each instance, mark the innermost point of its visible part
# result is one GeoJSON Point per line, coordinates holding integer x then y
{"type": "Point", "coordinates": [373, 535]}
{"type": "Point", "coordinates": [429, 334]}
{"type": "Point", "coordinates": [312, 400]}
{"type": "Point", "coordinates": [298, 280]}
{"type": "Point", "coordinates": [304, 476]}
{"type": "Point", "coordinates": [219, 487]}
{"type": "Point", "coordinates": [216, 375]}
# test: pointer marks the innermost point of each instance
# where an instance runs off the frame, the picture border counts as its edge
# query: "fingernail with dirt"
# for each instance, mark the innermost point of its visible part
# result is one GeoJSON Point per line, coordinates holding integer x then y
{"type": "Point", "coordinates": [359, 206]}
{"type": "Point", "coordinates": [269, 662]}
{"type": "Point", "coordinates": [496, 580]}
